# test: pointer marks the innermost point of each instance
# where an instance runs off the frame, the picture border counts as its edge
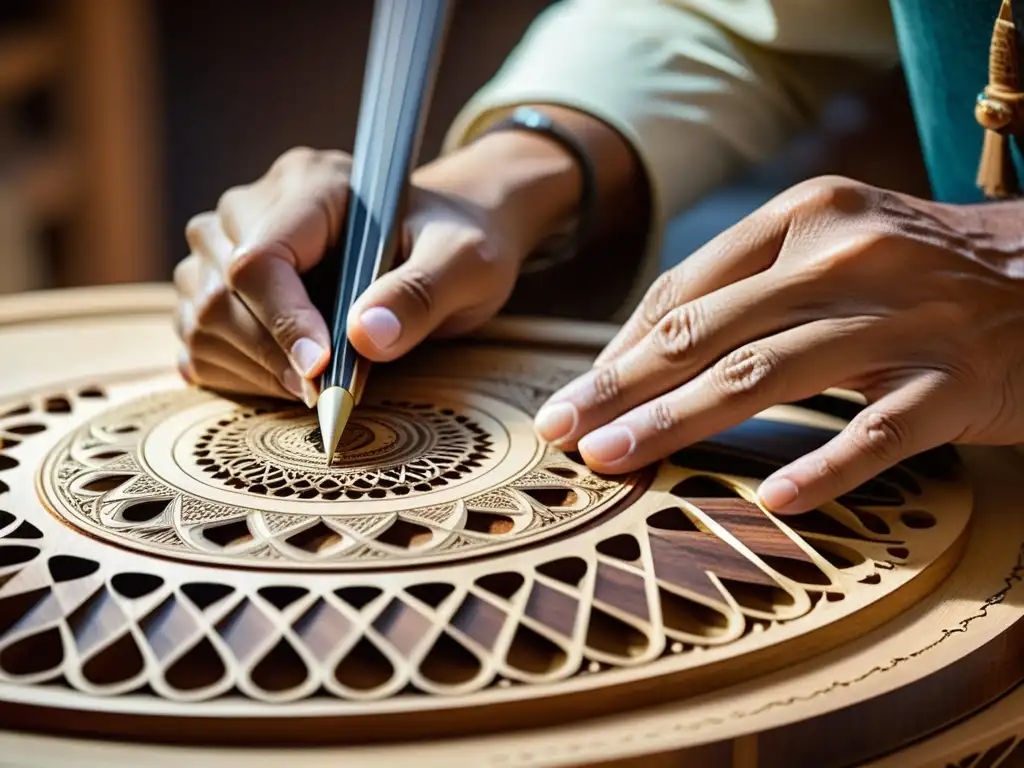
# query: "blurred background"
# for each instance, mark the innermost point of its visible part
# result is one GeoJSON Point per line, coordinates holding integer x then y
{"type": "Point", "coordinates": [120, 119]}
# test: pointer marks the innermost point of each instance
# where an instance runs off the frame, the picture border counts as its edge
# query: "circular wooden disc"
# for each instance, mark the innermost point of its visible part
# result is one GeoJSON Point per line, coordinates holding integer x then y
{"type": "Point", "coordinates": [176, 565]}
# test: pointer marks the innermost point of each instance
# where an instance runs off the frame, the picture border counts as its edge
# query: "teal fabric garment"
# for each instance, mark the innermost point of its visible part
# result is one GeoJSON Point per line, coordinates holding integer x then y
{"type": "Point", "coordinates": [944, 47]}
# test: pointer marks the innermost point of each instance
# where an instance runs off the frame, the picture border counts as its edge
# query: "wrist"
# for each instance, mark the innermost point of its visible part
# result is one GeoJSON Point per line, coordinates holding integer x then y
{"type": "Point", "coordinates": [527, 184]}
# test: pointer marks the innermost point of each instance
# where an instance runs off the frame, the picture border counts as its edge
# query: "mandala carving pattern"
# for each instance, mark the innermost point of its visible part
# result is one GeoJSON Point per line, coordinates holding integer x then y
{"type": "Point", "coordinates": [540, 571]}
{"type": "Point", "coordinates": [278, 501]}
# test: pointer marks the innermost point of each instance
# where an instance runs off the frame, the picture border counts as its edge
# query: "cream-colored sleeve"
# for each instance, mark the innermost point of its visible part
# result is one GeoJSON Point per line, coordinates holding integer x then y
{"type": "Point", "coordinates": [699, 88]}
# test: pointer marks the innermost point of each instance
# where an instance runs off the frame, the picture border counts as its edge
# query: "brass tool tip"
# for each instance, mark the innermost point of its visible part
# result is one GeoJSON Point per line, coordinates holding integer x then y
{"type": "Point", "coordinates": [333, 407]}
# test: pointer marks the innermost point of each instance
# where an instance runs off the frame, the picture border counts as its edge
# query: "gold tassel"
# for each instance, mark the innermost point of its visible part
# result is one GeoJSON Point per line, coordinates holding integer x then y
{"type": "Point", "coordinates": [997, 108]}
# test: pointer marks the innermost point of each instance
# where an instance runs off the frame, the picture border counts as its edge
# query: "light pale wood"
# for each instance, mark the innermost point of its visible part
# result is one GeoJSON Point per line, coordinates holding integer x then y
{"type": "Point", "coordinates": [847, 673]}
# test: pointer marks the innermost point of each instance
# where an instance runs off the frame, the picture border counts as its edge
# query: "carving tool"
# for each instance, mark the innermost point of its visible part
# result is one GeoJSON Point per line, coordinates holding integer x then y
{"type": "Point", "coordinates": [405, 49]}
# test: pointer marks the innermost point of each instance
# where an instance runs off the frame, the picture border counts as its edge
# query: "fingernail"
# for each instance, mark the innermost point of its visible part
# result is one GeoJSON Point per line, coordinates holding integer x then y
{"type": "Point", "coordinates": [608, 444]}
{"type": "Point", "coordinates": [777, 493]}
{"type": "Point", "coordinates": [557, 420]}
{"type": "Point", "coordinates": [185, 367]}
{"type": "Point", "coordinates": [292, 382]}
{"type": "Point", "coordinates": [381, 325]}
{"type": "Point", "coordinates": [310, 393]}
{"type": "Point", "coordinates": [306, 354]}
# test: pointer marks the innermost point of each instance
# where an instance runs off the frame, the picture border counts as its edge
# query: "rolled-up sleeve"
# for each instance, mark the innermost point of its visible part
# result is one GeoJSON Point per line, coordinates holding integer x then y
{"type": "Point", "coordinates": [697, 96]}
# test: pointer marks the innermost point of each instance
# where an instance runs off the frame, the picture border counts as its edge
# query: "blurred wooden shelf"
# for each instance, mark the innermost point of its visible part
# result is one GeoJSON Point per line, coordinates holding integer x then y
{"type": "Point", "coordinates": [28, 58]}
{"type": "Point", "coordinates": [91, 165]}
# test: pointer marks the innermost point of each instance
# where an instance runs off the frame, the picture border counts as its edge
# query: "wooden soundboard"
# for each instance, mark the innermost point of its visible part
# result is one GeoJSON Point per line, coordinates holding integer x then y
{"type": "Point", "coordinates": [183, 579]}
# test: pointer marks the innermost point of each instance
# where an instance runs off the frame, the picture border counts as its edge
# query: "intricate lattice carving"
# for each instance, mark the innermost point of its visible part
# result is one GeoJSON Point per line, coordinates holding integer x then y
{"type": "Point", "coordinates": [692, 573]}
{"type": "Point", "coordinates": [194, 475]}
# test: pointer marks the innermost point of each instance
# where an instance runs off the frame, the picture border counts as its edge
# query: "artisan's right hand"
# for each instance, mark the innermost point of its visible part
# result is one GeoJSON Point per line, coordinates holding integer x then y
{"type": "Point", "coordinates": [245, 317]}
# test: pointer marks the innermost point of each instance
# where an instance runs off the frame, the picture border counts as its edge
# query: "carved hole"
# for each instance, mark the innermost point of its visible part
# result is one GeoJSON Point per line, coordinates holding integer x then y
{"type": "Point", "coordinates": [838, 555]}
{"type": "Point", "coordinates": [834, 597]}
{"type": "Point", "coordinates": [900, 553]}
{"type": "Point", "coordinates": [7, 462]}
{"type": "Point", "coordinates": [622, 547]}
{"type": "Point", "coordinates": [21, 410]}
{"type": "Point", "coordinates": [406, 535]}
{"type": "Point", "coordinates": [316, 538]}
{"type": "Point", "coordinates": [200, 668]}
{"type": "Point", "coordinates": [6, 518]}
{"type": "Point", "coordinates": [504, 584]}
{"type": "Point", "coordinates": [364, 667]}
{"type": "Point", "coordinates": [758, 597]}
{"type": "Point", "coordinates": [25, 429]}
{"type": "Point", "coordinates": [282, 597]}
{"type": "Point", "coordinates": [6, 442]}
{"type": "Point", "coordinates": [871, 521]}
{"type": "Point", "coordinates": [58, 405]}
{"type": "Point", "coordinates": [205, 594]}
{"type": "Point", "coordinates": [91, 392]}
{"type": "Point", "coordinates": [144, 511]}
{"type": "Point", "coordinates": [800, 571]}
{"type": "Point", "coordinates": [108, 455]}
{"type": "Point", "coordinates": [16, 555]}
{"type": "Point", "coordinates": [68, 568]}
{"type": "Point", "coordinates": [489, 523]}
{"type": "Point", "coordinates": [819, 522]}
{"type": "Point", "coordinates": [227, 535]}
{"type": "Point", "coordinates": [691, 617]}
{"type": "Point", "coordinates": [135, 585]}
{"type": "Point", "coordinates": [280, 670]}
{"type": "Point", "coordinates": [14, 608]}
{"type": "Point", "coordinates": [899, 476]}
{"type": "Point", "coordinates": [24, 531]}
{"type": "Point", "coordinates": [431, 594]}
{"type": "Point", "coordinates": [358, 597]}
{"type": "Point", "coordinates": [34, 654]}
{"type": "Point", "coordinates": [610, 635]}
{"type": "Point", "coordinates": [705, 460]}
{"type": "Point", "coordinates": [871, 578]}
{"type": "Point", "coordinates": [119, 661]}
{"type": "Point", "coordinates": [703, 487]}
{"type": "Point", "coordinates": [449, 663]}
{"type": "Point", "coordinates": [553, 498]}
{"type": "Point", "coordinates": [568, 570]}
{"type": "Point", "coordinates": [566, 472]}
{"type": "Point", "coordinates": [673, 519]}
{"type": "Point", "coordinates": [106, 483]}
{"type": "Point", "coordinates": [917, 518]}
{"type": "Point", "coordinates": [533, 653]}
{"type": "Point", "coordinates": [575, 457]}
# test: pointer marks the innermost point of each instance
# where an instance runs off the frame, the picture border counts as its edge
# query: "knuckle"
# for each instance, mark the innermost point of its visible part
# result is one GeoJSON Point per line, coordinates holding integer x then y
{"type": "Point", "coordinates": [885, 436]}
{"type": "Point", "coordinates": [296, 157]}
{"type": "Point", "coordinates": [229, 198]}
{"type": "Point", "coordinates": [747, 371]}
{"type": "Point", "coordinates": [826, 470]}
{"type": "Point", "coordinates": [182, 275]}
{"type": "Point", "coordinates": [607, 386]}
{"type": "Point", "coordinates": [417, 287]}
{"type": "Point", "coordinates": [286, 328]}
{"type": "Point", "coordinates": [660, 298]}
{"type": "Point", "coordinates": [675, 334]}
{"type": "Point", "coordinates": [195, 229]}
{"type": "Point", "coordinates": [663, 418]}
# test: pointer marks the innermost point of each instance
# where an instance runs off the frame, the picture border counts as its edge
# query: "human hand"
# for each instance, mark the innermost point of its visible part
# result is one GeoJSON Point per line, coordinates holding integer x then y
{"type": "Point", "coordinates": [917, 305]}
{"type": "Point", "coordinates": [245, 317]}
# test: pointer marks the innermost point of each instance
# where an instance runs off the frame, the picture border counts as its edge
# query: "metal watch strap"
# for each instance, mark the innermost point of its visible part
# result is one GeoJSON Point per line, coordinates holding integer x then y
{"type": "Point", "coordinates": [564, 246]}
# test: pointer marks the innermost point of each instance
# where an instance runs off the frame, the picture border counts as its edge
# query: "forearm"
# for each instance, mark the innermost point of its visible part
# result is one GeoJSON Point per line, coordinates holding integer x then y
{"type": "Point", "coordinates": [535, 184]}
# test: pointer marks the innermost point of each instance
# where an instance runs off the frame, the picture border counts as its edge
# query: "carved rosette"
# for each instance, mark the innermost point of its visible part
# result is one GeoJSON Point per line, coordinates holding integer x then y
{"type": "Point", "coordinates": [174, 544]}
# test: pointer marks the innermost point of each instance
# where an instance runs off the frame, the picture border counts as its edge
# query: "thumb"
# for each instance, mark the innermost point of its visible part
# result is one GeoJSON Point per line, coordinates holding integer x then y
{"type": "Point", "coordinates": [449, 273]}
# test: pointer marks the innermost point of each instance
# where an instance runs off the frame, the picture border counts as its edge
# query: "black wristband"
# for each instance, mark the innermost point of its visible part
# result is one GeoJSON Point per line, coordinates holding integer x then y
{"type": "Point", "coordinates": [562, 247]}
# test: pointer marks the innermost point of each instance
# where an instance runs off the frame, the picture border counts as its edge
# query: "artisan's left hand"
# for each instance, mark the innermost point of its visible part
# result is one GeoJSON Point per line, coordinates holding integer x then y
{"type": "Point", "coordinates": [917, 305]}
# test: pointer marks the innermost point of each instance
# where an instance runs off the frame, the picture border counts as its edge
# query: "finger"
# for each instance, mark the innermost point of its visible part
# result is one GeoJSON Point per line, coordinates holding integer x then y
{"type": "Point", "coordinates": [791, 365]}
{"type": "Point", "coordinates": [447, 274]}
{"type": "Point", "coordinates": [220, 313]}
{"type": "Point", "coordinates": [264, 273]}
{"type": "Point", "coordinates": [213, 364]}
{"type": "Point", "coordinates": [924, 413]}
{"type": "Point", "coordinates": [748, 247]}
{"type": "Point", "coordinates": [681, 345]}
